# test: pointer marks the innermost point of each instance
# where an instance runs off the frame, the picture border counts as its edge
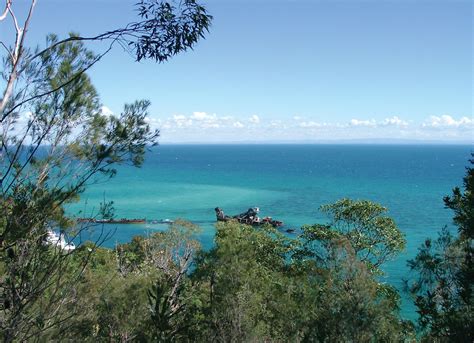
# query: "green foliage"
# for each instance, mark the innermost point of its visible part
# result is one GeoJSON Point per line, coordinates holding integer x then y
{"type": "Point", "coordinates": [374, 237]}
{"type": "Point", "coordinates": [176, 28]}
{"type": "Point", "coordinates": [462, 204]}
{"type": "Point", "coordinates": [349, 306]}
{"type": "Point", "coordinates": [262, 289]}
{"type": "Point", "coordinates": [165, 324]}
{"type": "Point", "coordinates": [49, 173]}
{"type": "Point", "coordinates": [443, 286]}
{"type": "Point", "coordinates": [247, 288]}
{"type": "Point", "coordinates": [244, 273]}
{"type": "Point", "coordinates": [152, 302]}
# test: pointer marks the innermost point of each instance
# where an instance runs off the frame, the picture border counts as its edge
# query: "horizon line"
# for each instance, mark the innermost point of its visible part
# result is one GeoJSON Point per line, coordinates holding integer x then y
{"type": "Point", "coordinates": [329, 142]}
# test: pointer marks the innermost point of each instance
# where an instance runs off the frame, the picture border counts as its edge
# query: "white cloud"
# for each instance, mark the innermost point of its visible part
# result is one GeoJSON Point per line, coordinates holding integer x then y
{"type": "Point", "coordinates": [198, 121]}
{"type": "Point", "coordinates": [307, 124]}
{"type": "Point", "coordinates": [394, 121]}
{"type": "Point", "coordinates": [153, 121]}
{"type": "Point", "coordinates": [177, 117]}
{"type": "Point", "coordinates": [446, 121]}
{"type": "Point", "coordinates": [182, 121]}
{"type": "Point", "coordinates": [254, 119]}
{"type": "Point", "coordinates": [277, 124]}
{"type": "Point", "coordinates": [106, 111]}
{"type": "Point", "coordinates": [205, 127]}
{"type": "Point", "coordinates": [203, 116]}
{"type": "Point", "coordinates": [210, 125]}
{"type": "Point", "coordinates": [366, 123]}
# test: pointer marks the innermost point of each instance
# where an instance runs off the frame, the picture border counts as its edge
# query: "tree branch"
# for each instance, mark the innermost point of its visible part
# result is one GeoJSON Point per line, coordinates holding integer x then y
{"type": "Point", "coordinates": [16, 55]}
{"type": "Point", "coordinates": [6, 10]}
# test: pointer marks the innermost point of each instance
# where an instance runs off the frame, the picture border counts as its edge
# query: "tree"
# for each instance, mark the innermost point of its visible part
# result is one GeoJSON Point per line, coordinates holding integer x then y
{"type": "Point", "coordinates": [247, 297]}
{"type": "Point", "coordinates": [443, 285]}
{"type": "Point", "coordinates": [171, 253]}
{"type": "Point", "coordinates": [347, 304]}
{"type": "Point", "coordinates": [55, 141]}
{"type": "Point", "coordinates": [138, 291]}
{"type": "Point", "coordinates": [374, 237]}
{"type": "Point", "coordinates": [261, 288]}
{"type": "Point", "coordinates": [342, 260]}
{"type": "Point", "coordinates": [462, 204]}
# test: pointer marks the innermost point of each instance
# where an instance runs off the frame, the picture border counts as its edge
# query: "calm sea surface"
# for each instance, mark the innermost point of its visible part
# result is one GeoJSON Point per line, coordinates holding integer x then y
{"type": "Point", "coordinates": [287, 182]}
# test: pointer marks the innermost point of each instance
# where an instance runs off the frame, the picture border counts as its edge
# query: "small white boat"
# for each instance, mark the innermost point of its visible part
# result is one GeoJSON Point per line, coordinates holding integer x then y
{"type": "Point", "coordinates": [53, 238]}
{"type": "Point", "coordinates": [162, 221]}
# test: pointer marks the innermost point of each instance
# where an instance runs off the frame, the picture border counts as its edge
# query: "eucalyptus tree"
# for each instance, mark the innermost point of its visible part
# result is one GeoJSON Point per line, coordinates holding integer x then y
{"type": "Point", "coordinates": [55, 140]}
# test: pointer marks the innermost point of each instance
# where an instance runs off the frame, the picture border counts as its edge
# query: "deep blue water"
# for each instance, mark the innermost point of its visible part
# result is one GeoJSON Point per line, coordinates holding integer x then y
{"type": "Point", "coordinates": [289, 183]}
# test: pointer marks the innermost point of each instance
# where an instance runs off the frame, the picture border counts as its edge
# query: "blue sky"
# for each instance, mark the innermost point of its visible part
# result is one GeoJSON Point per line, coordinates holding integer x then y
{"type": "Point", "coordinates": [294, 70]}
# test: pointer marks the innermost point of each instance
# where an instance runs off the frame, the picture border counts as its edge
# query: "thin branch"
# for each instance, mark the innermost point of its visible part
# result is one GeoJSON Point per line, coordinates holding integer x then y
{"type": "Point", "coordinates": [106, 35]}
{"type": "Point", "coordinates": [16, 55]}
{"type": "Point", "coordinates": [6, 10]}
{"type": "Point", "coordinates": [15, 21]}
{"type": "Point", "coordinates": [6, 48]}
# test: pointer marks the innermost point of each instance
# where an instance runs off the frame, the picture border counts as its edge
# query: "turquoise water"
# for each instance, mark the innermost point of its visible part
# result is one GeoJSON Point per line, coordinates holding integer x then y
{"type": "Point", "coordinates": [287, 182]}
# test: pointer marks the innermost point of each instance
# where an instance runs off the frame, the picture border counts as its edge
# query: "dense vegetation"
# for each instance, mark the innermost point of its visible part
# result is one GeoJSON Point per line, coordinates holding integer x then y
{"type": "Point", "coordinates": [255, 284]}
{"type": "Point", "coordinates": [444, 269]}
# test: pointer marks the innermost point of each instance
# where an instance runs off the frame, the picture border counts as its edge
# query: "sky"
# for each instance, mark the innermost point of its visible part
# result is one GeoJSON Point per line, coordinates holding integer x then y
{"type": "Point", "coordinates": [292, 70]}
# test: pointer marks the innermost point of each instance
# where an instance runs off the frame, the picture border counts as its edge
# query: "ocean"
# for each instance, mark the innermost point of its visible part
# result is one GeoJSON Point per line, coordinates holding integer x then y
{"type": "Point", "coordinates": [288, 183]}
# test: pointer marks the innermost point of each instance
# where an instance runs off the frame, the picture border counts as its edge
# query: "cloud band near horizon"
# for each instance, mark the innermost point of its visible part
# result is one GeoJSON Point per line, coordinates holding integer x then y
{"type": "Point", "coordinates": [205, 127]}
